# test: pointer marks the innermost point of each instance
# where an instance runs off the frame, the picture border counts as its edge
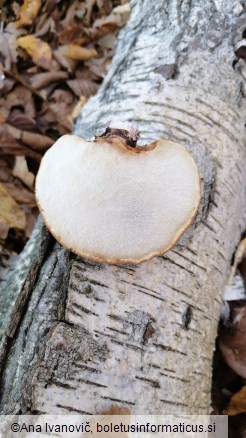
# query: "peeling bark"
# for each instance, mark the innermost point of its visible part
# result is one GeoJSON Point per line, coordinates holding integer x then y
{"type": "Point", "coordinates": [79, 336]}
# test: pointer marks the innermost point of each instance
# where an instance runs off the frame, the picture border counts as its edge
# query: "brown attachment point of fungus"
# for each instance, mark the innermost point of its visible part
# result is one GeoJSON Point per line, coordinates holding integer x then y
{"type": "Point", "coordinates": [113, 202]}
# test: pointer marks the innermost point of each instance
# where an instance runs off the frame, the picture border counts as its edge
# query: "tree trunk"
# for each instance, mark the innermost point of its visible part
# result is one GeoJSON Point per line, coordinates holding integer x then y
{"type": "Point", "coordinates": [79, 336]}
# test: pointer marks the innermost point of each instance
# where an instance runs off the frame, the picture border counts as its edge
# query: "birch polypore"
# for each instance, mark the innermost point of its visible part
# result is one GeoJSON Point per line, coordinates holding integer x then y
{"type": "Point", "coordinates": [112, 202]}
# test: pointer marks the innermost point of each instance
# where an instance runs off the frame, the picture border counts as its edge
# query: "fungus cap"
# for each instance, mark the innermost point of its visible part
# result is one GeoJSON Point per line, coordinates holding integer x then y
{"type": "Point", "coordinates": [113, 203]}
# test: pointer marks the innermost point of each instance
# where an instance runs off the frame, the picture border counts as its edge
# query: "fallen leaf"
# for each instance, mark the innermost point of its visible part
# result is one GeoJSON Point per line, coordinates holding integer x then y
{"type": "Point", "coordinates": [6, 84]}
{"type": "Point", "coordinates": [88, 15]}
{"type": "Point", "coordinates": [5, 169]}
{"type": "Point", "coordinates": [233, 289]}
{"type": "Point", "coordinates": [77, 53]}
{"type": "Point", "coordinates": [21, 171]}
{"type": "Point", "coordinates": [62, 103]}
{"type": "Point", "coordinates": [5, 51]}
{"type": "Point", "coordinates": [21, 121]}
{"type": "Point", "coordinates": [39, 51]}
{"type": "Point", "coordinates": [237, 403]}
{"type": "Point", "coordinates": [19, 96]}
{"type": "Point", "coordinates": [231, 338]}
{"type": "Point", "coordinates": [238, 257]}
{"type": "Point", "coordinates": [6, 138]}
{"type": "Point", "coordinates": [105, 6]}
{"type": "Point", "coordinates": [16, 8]}
{"type": "Point", "coordinates": [98, 66]}
{"type": "Point", "coordinates": [11, 215]}
{"type": "Point", "coordinates": [41, 80]}
{"type": "Point", "coordinates": [35, 141]}
{"type": "Point", "coordinates": [4, 112]}
{"type": "Point", "coordinates": [108, 41]}
{"type": "Point", "coordinates": [113, 20]}
{"type": "Point", "coordinates": [69, 34]}
{"type": "Point", "coordinates": [69, 18]}
{"type": "Point", "coordinates": [83, 87]}
{"type": "Point", "coordinates": [95, 33]}
{"type": "Point", "coordinates": [64, 61]}
{"type": "Point", "coordinates": [44, 25]}
{"type": "Point", "coordinates": [242, 268]}
{"type": "Point", "coordinates": [11, 146]}
{"type": "Point", "coordinates": [122, 9]}
{"type": "Point", "coordinates": [29, 11]}
{"type": "Point", "coordinates": [77, 109]}
{"type": "Point", "coordinates": [20, 194]}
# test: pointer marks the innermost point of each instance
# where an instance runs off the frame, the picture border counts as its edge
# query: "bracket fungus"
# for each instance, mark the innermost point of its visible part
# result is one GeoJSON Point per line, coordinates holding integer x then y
{"type": "Point", "coordinates": [111, 201]}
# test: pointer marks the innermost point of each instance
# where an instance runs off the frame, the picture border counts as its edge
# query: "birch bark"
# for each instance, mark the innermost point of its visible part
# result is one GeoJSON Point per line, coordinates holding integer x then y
{"type": "Point", "coordinates": [78, 336]}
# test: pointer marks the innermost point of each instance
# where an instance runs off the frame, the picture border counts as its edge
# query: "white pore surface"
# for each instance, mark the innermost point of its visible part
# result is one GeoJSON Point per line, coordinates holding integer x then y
{"type": "Point", "coordinates": [104, 202]}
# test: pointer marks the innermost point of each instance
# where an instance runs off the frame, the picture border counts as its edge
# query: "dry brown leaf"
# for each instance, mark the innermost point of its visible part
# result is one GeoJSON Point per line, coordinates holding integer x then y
{"type": "Point", "coordinates": [115, 20]}
{"type": "Point", "coordinates": [16, 148]}
{"type": "Point", "coordinates": [123, 9]}
{"type": "Point", "coordinates": [11, 215]}
{"type": "Point", "coordinates": [6, 84]}
{"type": "Point", "coordinates": [20, 96]}
{"type": "Point", "coordinates": [64, 61]}
{"type": "Point", "coordinates": [77, 53]}
{"type": "Point", "coordinates": [231, 339]}
{"type": "Point", "coordinates": [88, 15]}
{"type": "Point", "coordinates": [4, 112]}
{"type": "Point", "coordinates": [238, 257]}
{"type": "Point", "coordinates": [105, 6]}
{"type": "Point", "coordinates": [4, 50]}
{"type": "Point", "coordinates": [37, 142]}
{"type": "Point", "coordinates": [41, 80]}
{"type": "Point", "coordinates": [44, 25]}
{"type": "Point", "coordinates": [94, 34]}
{"type": "Point", "coordinates": [77, 109]}
{"type": "Point", "coordinates": [237, 403]}
{"type": "Point", "coordinates": [8, 45]}
{"type": "Point", "coordinates": [62, 103]}
{"type": "Point", "coordinates": [70, 33]}
{"type": "Point", "coordinates": [21, 121]}
{"type": "Point", "coordinates": [16, 9]}
{"type": "Point", "coordinates": [5, 170]}
{"type": "Point", "coordinates": [39, 51]}
{"type": "Point", "coordinates": [21, 171]}
{"type": "Point", "coordinates": [108, 41]}
{"type": "Point", "coordinates": [28, 13]}
{"type": "Point", "coordinates": [69, 18]}
{"type": "Point", "coordinates": [83, 87]}
{"type": "Point", "coordinates": [98, 66]}
{"type": "Point", "coordinates": [20, 194]}
{"type": "Point", "coordinates": [6, 138]}
{"type": "Point", "coordinates": [50, 119]}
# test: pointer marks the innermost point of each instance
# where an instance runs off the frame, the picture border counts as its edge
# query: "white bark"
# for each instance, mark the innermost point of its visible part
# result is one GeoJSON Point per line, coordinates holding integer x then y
{"type": "Point", "coordinates": [142, 337]}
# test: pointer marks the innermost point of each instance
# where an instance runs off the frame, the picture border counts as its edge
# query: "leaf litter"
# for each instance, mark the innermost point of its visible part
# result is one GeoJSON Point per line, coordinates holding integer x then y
{"type": "Point", "coordinates": [54, 55]}
{"type": "Point", "coordinates": [229, 370]}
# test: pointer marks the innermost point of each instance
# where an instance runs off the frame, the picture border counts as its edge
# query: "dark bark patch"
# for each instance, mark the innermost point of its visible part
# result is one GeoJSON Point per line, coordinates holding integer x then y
{"type": "Point", "coordinates": [187, 317]}
{"type": "Point", "coordinates": [140, 325]}
{"type": "Point", "coordinates": [66, 346]}
{"type": "Point", "coordinates": [148, 333]}
{"type": "Point", "coordinates": [167, 71]}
